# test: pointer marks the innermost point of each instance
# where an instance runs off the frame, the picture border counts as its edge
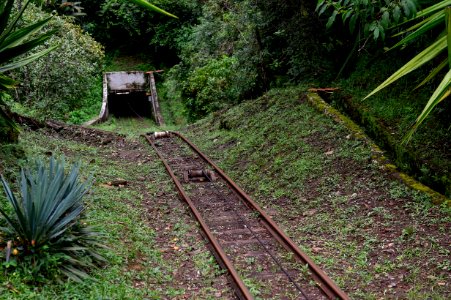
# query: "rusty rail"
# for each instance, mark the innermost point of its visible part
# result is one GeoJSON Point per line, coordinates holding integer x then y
{"type": "Point", "coordinates": [244, 292]}
{"type": "Point", "coordinates": [323, 281]}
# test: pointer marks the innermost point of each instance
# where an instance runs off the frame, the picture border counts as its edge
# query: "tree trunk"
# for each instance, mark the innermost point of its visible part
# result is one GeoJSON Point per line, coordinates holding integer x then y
{"type": "Point", "coordinates": [9, 132]}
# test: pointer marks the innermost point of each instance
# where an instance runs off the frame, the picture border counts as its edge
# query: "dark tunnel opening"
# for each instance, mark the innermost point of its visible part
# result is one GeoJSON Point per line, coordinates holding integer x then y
{"type": "Point", "coordinates": [131, 105]}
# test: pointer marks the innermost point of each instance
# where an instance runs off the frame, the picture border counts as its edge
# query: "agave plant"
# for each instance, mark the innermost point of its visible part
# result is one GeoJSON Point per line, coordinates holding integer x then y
{"type": "Point", "coordinates": [47, 217]}
{"type": "Point", "coordinates": [436, 15]}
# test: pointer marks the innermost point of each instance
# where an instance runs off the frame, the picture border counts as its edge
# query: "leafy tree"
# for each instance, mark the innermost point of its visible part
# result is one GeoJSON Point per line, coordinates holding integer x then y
{"type": "Point", "coordinates": [66, 80]}
{"type": "Point", "coordinates": [13, 44]}
{"type": "Point", "coordinates": [368, 21]}
{"type": "Point", "coordinates": [372, 18]}
{"type": "Point", "coordinates": [291, 55]}
{"type": "Point", "coordinates": [219, 57]}
{"type": "Point", "coordinates": [74, 8]}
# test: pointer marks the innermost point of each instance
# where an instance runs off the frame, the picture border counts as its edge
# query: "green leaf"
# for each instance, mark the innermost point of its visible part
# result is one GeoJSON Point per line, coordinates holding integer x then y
{"type": "Point", "coordinates": [151, 6]}
{"type": "Point", "coordinates": [427, 25]}
{"type": "Point", "coordinates": [7, 31]}
{"type": "Point", "coordinates": [26, 60]}
{"type": "Point", "coordinates": [433, 73]}
{"type": "Point", "coordinates": [406, 8]}
{"type": "Point", "coordinates": [4, 14]}
{"type": "Point", "coordinates": [6, 83]}
{"type": "Point", "coordinates": [442, 92]}
{"type": "Point", "coordinates": [331, 19]}
{"type": "Point", "coordinates": [318, 5]}
{"type": "Point", "coordinates": [323, 9]}
{"type": "Point", "coordinates": [382, 31]}
{"type": "Point", "coordinates": [385, 20]}
{"type": "Point", "coordinates": [20, 35]}
{"type": "Point", "coordinates": [352, 23]}
{"type": "Point", "coordinates": [13, 52]}
{"type": "Point", "coordinates": [433, 8]}
{"type": "Point", "coordinates": [376, 33]}
{"type": "Point", "coordinates": [416, 62]}
{"type": "Point", "coordinates": [448, 32]}
{"type": "Point", "coordinates": [346, 15]}
{"type": "Point", "coordinates": [396, 13]}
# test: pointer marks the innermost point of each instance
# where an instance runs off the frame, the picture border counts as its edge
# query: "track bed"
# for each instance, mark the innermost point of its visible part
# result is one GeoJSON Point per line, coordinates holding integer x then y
{"type": "Point", "coordinates": [261, 260]}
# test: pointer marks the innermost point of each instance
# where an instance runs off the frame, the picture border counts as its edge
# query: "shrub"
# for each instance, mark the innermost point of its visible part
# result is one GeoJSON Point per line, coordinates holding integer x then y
{"type": "Point", "coordinates": [214, 86]}
{"type": "Point", "coordinates": [44, 227]}
{"type": "Point", "coordinates": [63, 81]}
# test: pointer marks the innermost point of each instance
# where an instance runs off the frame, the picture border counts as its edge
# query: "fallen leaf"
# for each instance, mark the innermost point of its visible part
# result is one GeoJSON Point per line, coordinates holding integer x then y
{"type": "Point", "coordinates": [329, 152]}
{"type": "Point", "coordinates": [316, 249]}
{"type": "Point", "coordinates": [106, 185]}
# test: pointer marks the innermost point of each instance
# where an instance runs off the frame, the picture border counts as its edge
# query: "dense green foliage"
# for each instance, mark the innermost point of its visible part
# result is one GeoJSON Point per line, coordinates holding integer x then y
{"type": "Point", "coordinates": [388, 115]}
{"type": "Point", "coordinates": [66, 83]}
{"type": "Point", "coordinates": [263, 42]}
{"type": "Point", "coordinates": [44, 228]}
{"type": "Point", "coordinates": [368, 18]}
{"type": "Point", "coordinates": [14, 42]}
{"type": "Point", "coordinates": [122, 25]}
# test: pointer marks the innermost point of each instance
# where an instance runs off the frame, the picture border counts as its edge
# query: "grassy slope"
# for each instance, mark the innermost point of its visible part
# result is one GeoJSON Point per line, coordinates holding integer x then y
{"type": "Point", "coordinates": [374, 236]}
{"type": "Point", "coordinates": [155, 249]}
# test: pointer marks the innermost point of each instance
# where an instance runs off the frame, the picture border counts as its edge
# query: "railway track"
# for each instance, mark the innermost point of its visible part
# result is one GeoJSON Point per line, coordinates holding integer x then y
{"type": "Point", "coordinates": [261, 260]}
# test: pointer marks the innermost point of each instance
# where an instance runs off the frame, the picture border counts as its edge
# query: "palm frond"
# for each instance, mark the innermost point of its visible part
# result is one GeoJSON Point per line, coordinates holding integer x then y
{"type": "Point", "coordinates": [24, 61]}
{"type": "Point", "coordinates": [423, 57]}
{"type": "Point", "coordinates": [442, 92]}
{"type": "Point", "coordinates": [428, 24]}
{"type": "Point", "coordinates": [433, 73]}
{"type": "Point", "coordinates": [150, 6]}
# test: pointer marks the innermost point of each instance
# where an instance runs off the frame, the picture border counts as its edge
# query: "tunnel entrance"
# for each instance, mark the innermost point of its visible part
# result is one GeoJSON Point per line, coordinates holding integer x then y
{"type": "Point", "coordinates": [129, 94]}
{"type": "Point", "coordinates": [131, 105]}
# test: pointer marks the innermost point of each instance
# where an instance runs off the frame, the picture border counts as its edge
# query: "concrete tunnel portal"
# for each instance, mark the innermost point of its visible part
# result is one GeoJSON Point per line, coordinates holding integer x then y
{"type": "Point", "coordinates": [129, 94]}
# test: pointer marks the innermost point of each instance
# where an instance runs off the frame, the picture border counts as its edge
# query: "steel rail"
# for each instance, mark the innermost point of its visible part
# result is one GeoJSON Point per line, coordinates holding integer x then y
{"type": "Point", "coordinates": [244, 292]}
{"type": "Point", "coordinates": [324, 282]}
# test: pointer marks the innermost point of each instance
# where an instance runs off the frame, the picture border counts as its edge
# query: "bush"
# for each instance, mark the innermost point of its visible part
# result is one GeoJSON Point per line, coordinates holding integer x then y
{"type": "Point", "coordinates": [215, 86]}
{"type": "Point", "coordinates": [65, 80]}
{"type": "Point", "coordinates": [44, 230]}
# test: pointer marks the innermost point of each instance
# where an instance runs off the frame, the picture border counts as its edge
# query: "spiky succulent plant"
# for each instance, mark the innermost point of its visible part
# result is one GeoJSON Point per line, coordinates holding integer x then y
{"type": "Point", "coordinates": [47, 218]}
